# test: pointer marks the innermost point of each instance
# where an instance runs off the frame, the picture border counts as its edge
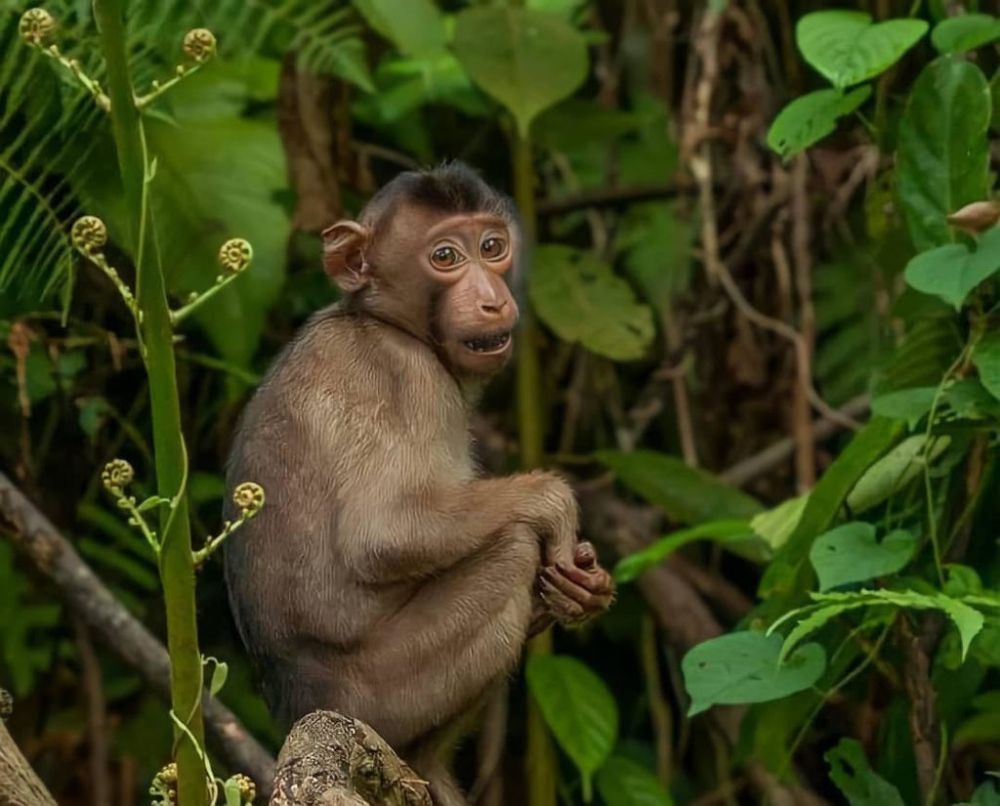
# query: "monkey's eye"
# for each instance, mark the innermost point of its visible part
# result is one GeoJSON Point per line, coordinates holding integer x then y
{"type": "Point", "coordinates": [493, 248]}
{"type": "Point", "coordinates": [445, 257]}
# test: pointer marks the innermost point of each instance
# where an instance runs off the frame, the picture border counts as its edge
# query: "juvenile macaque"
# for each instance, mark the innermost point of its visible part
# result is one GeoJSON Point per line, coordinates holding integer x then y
{"type": "Point", "coordinates": [384, 579]}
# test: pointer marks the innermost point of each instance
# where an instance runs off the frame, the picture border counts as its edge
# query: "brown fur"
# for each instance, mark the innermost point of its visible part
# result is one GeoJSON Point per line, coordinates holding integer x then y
{"type": "Point", "coordinates": [383, 578]}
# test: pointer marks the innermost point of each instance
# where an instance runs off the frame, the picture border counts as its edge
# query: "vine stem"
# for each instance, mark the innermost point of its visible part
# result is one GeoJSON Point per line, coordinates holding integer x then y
{"type": "Point", "coordinates": [156, 335]}
{"type": "Point", "coordinates": [540, 756]}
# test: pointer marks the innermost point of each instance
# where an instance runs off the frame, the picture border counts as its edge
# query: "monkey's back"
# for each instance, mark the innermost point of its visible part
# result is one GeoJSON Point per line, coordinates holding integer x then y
{"type": "Point", "coordinates": [330, 403]}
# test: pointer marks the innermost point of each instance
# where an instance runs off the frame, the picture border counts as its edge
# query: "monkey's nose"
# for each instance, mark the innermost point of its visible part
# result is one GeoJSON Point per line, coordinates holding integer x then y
{"type": "Point", "coordinates": [493, 306]}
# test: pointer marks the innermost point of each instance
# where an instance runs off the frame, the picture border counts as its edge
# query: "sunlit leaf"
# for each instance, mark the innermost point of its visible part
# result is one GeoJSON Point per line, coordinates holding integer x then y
{"type": "Point", "coordinates": [905, 404]}
{"type": "Point", "coordinates": [416, 27]}
{"type": "Point", "coordinates": [894, 471]}
{"type": "Point", "coordinates": [846, 48]}
{"type": "Point", "coordinates": [743, 667]}
{"type": "Point", "coordinates": [723, 531]}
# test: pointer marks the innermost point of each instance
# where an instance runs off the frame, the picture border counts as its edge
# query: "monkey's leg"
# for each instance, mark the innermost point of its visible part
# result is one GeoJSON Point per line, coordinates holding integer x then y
{"type": "Point", "coordinates": [430, 662]}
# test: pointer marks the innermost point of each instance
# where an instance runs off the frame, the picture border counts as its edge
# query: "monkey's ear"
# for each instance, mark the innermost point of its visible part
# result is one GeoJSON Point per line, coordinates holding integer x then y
{"type": "Point", "coordinates": [344, 255]}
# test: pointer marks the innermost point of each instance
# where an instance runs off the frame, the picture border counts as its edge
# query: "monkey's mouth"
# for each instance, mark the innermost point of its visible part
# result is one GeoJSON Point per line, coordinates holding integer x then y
{"type": "Point", "coordinates": [494, 343]}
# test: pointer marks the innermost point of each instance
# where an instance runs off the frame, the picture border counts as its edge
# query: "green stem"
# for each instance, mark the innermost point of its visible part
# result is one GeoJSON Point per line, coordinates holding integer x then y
{"type": "Point", "coordinates": [176, 562]}
{"type": "Point", "coordinates": [541, 762]}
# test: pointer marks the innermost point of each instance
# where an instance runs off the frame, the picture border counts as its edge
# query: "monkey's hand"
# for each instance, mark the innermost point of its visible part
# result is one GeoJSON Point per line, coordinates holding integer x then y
{"type": "Point", "coordinates": [572, 594]}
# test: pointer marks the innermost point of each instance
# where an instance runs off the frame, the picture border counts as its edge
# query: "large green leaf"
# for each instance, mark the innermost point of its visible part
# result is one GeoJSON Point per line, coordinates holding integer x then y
{"type": "Point", "coordinates": [577, 707]}
{"type": "Point", "coordinates": [860, 785]}
{"type": "Point", "coordinates": [967, 32]}
{"type": "Point", "coordinates": [581, 299]}
{"type": "Point", "coordinates": [894, 471]}
{"type": "Point", "coordinates": [943, 155]}
{"type": "Point", "coordinates": [743, 667]}
{"type": "Point", "coordinates": [905, 404]}
{"type": "Point", "coordinates": [416, 27]}
{"type": "Point", "coordinates": [624, 782]}
{"type": "Point", "coordinates": [528, 60]}
{"type": "Point", "coordinates": [846, 48]}
{"type": "Point", "coordinates": [851, 553]}
{"type": "Point", "coordinates": [687, 494]}
{"type": "Point", "coordinates": [811, 117]}
{"type": "Point", "coordinates": [951, 272]}
{"type": "Point", "coordinates": [986, 357]}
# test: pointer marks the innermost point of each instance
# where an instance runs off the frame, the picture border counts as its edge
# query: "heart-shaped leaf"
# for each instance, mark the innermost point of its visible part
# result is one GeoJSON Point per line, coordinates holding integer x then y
{"type": "Point", "coordinates": [577, 707]}
{"type": "Point", "coordinates": [943, 151]}
{"type": "Point", "coordinates": [987, 360]}
{"type": "Point", "coordinates": [624, 782]}
{"type": "Point", "coordinates": [811, 117]}
{"type": "Point", "coordinates": [851, 553]}
{"type": "Point", "coordinates": [528, 60]}
{"type": "Point", "coordinates": [967, 32]}
{"type": "Point", "coordinates": [743, 667]}
{"type": "Point", "coordinates": [581, 299]}
{"type": "Point", "coordinates": [952, 272]}
{"type": "Point", "coordinates": [846, 48]}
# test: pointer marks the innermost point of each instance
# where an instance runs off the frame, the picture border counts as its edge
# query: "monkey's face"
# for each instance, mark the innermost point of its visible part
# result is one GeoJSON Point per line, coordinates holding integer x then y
{"type": "Point", "coordinates": [467, 258]}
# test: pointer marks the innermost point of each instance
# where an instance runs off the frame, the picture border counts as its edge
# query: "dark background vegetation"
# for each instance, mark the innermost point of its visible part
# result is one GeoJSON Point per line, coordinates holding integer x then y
{"type": "Point", "coordinates": [656, 169]}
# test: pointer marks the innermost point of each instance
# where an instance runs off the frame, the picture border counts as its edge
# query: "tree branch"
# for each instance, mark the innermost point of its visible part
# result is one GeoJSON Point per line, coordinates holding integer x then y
{"type": "Point", "coordinates": [333, 760]}
{"type": "Point", "coordinates": [36, 539]}
{"type": "Point", "coordinates": [19, 785]}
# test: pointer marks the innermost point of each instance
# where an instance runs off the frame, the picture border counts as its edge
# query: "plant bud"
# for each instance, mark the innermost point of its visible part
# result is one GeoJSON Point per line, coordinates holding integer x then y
{"type": "Point", "coordinates": [117, 475]}
{"type": "Point", "coordinates": [199, 44]}
{"type": "Point", "coordinates": [235, 255]}
{"type": "Point", "coordinates": [977, 217]}
{"type": "Point", "coordinates": [36, 26]}
{"type": "Point", "coordinates": [249, 498]}
{"type": "Point", "coordinates": [89, 233]}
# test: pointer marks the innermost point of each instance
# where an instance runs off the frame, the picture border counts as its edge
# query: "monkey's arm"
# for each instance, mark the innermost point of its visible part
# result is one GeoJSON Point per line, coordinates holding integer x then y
{"type": "Point", "coordinates": [418, 534]}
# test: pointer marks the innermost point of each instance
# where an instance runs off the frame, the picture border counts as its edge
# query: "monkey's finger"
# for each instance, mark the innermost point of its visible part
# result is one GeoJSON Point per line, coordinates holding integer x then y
{"type": "Point", "coordinates": [596, 581]}
{"type": "Point", "coordinates": [568, 588]}
{"type": "Point", "coordinates": [563, 608]}
{"type": "Point", "coordinates": [585, 556]}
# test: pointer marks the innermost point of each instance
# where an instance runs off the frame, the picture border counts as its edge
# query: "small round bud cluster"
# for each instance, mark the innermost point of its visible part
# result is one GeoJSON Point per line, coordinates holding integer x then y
{"type": "Point", "coordinates": [36, 26]}
{"type": "Point", "coordinates": [6, 704]}
{"type": "Point", "coordinates": [249, 498]}
{"type": "Point", "coordinates": [199, 44]}
{"type": "Point", "coordinates": [117, 475]}
{"type": "Point", "coordinates": [247, 788]}
{"type": "Point", "coordinates": [166, 781]}
{"type": "Point", "coordinates": [89, 233]}
{"type": "Point", "coordinates": [235, 255]}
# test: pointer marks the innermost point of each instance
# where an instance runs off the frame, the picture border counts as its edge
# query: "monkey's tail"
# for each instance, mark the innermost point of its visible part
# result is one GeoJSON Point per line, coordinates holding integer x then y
{"type": "Point", "coordinates": [486, 790]}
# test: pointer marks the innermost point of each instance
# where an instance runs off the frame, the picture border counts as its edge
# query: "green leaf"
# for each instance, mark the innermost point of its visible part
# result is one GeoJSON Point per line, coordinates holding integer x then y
{"type": "Point", "coordinates": [986, 358]}
{"type": "Point", "coordinates": [894, 471]}
{"type": "Point", "coordinates": [624, 782]}
{"type": "Point", "coordinates": [231, 791]}
{"type": "Point", "coordinates": [811, 117]}
{"type": "Point", "coordinates": [527, 60]}
{"type": "Point", "coordinates": [743, 667]}
{"type": "Point", "coordinates": [905, 404]}
{"type": "Point", "coordinates": [951, 272]}
{"type": "Point", "coordinates": [687, 494]}
{"type": "Point", "coordinates": [581, 299]}
{"type": "Point", "coordinates": [722, 531]}
{"type": "Point", "coordinates": [862, 786]}
{"type": "Point", "coordinates": [416, 27]}
{"type": "Point", "coordinates": [943, 155]}
{"type": "Point", "coordinates": [967, 32]}
{"type": "Point", "coordinates": [776, 525]}
{"type": "Point", "coordinates": [846, 48]}
{"type": "Point", "coordinates": [577, 707]}
{"type": "Point", "coordinates": [220, 671]}
{"type": "Point", "coordinates": [851, 553]}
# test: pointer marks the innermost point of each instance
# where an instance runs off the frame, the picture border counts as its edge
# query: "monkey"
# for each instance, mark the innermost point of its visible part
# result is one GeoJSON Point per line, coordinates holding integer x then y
{"type": "Point", "coordinates": [385, 577]}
